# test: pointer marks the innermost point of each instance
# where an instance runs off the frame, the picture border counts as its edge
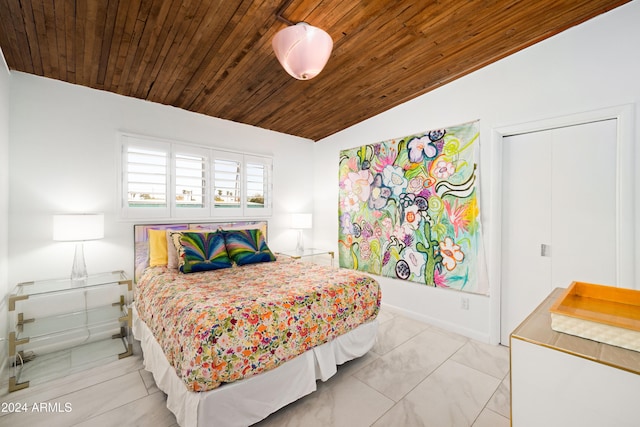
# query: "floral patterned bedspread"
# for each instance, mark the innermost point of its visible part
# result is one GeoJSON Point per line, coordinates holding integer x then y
{"type": "Point", "coordinates": [224, 325]}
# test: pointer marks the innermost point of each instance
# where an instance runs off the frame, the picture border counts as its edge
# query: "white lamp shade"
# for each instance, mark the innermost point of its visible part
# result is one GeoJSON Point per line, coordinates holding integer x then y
{"type": "Point", "coordinates": [303, 50]}
{"type": "Point", "coordinates": [78, 227]}
{"type": "Point", "coordinates": [301, 220]}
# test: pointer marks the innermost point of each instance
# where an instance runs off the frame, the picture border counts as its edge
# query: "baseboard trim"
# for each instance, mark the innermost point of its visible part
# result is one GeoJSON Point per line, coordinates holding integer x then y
{"type": "Point", "coordinates": [469, 333]}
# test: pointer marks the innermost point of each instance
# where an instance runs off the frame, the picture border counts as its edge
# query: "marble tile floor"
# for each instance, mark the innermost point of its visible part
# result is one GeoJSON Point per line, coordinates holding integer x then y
{"type": "Point", "coordinates": [416, 375]}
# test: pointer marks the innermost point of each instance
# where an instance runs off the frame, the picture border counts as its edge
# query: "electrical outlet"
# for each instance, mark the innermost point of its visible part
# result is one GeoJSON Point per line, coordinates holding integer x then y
{"type": "Point", "coordinates": [464, 303]}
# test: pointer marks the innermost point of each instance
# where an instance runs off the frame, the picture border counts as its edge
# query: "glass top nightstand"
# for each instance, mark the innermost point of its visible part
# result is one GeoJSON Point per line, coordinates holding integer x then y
{"type": "Point", "coordinates": [58, 285]}
{"type": "Point", "coordinates": [62, 326]}
{"type": "Point", "coordinates": [308, 252]}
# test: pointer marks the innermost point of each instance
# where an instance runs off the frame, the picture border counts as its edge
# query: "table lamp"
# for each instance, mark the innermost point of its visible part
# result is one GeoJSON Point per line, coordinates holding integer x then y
{"type": "Point", "coordinates": [301, 221]}
{"type": "Point", "coordinates": [78, 228]}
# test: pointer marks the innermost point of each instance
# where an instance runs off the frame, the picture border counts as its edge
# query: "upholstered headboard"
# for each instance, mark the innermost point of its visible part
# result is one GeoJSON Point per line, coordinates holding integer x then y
{"type": "Point", "coordinates": [141, 236]}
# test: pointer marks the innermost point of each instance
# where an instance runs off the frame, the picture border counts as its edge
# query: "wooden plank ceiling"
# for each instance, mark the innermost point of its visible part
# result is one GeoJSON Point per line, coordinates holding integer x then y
{"type": "Point", "coordinates": [214, 56]}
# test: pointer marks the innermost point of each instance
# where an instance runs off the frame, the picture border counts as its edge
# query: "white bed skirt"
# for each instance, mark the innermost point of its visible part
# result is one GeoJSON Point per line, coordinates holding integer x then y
{"type": "Point", "coordinates": [248, 401]}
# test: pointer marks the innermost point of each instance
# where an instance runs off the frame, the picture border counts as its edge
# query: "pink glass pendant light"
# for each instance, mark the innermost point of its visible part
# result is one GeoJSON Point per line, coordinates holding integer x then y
{"type": "Point", "coordinates": [303, 50]}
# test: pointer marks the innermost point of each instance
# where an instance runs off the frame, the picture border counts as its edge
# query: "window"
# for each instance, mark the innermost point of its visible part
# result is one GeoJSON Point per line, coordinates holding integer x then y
{"type": "Point", "coordinates": [257, 183]}
{"type": "Point", "coordinates": [146, 177]}
{"type": "Point", "coordinates": [145, 168]}
{"type": "Point", "coordinates": [227, 181]}
{"type": "Point", "coordinates": [171, 180]}
{"type": "Point", "coordinates": [190, 181]}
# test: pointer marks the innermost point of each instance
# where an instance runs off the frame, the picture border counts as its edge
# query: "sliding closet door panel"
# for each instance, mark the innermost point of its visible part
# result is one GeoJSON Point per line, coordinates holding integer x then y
{"type": "Point", "coordinates": [558, 214]}
{"type": "Point", "coordinates": [526, 224]}
{"type": "Point", "coordinates": [583, 200]}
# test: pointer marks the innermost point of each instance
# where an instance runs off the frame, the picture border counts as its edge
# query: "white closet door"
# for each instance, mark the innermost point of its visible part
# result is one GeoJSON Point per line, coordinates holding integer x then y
{"type": "Point", "coordinates": [583, 201]}
{"type": "Point", "coordinates": [558, 214]}
{"type": "Point", "coordinates": [526, 224]}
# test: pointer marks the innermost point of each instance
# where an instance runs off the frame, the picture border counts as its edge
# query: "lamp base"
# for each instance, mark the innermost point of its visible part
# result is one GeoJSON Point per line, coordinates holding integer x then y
{"type": "Point", "coordinates": [79, 269]}
{"type": "Point", "coordinates": [300, 244]}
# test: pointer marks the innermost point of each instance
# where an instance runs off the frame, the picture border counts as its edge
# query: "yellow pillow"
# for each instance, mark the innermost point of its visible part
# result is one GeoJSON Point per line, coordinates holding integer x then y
{"type": "Point", "coordinates": [157, 247]}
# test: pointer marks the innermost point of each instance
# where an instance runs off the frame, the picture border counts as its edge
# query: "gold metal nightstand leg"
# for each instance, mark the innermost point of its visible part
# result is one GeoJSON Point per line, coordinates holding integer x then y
{"type": "Point", "coordinates": [122, 334]}
{"type": "Point", "coordinates": [13, 298]}
{"type": "Point", "coordinates": [127, 318]}
{"type": "Point", "coordinates": [22, 320]}
{"type": "Point", "coordinates": [119, 303]}
{"type": "Point", "coordinates": [129, 283]}
{"type": "Point", "coordinates": [127, 353]}
{"type": "Point", "coordinates": [13, 343]}
{"type": "Point", "coordinates": [15, 386]}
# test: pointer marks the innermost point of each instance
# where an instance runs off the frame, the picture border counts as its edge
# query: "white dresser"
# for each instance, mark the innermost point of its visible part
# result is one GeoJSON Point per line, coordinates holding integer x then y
{"type": "Point", "coordinates": [563, 380]}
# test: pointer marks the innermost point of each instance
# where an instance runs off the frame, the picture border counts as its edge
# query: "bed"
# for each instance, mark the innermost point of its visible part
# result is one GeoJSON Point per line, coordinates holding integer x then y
{"type": "Point", "coordinates": [233, 332]}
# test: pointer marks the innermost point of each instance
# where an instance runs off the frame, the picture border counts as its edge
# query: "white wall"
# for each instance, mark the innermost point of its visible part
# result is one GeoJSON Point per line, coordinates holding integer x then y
{"type": "Point", "coordinates": [589, 67]}
{"type": "Point", "coordinates": [4, 205]}
{"type": "Point", "coordinates": [63, 159]}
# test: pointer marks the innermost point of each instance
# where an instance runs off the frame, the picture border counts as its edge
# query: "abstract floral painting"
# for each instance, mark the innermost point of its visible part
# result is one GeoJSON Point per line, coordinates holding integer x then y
{"type": "Point", "coordinates": [409, 209]}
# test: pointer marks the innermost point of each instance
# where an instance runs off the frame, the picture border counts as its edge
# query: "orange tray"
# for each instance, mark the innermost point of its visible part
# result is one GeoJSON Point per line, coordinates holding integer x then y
{"type": "Point", "coordinates": [619, 307]}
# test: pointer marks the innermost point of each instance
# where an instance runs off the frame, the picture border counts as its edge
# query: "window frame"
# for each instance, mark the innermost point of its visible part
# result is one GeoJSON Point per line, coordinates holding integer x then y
{"type": "Point", "coordinates": [208, 208]}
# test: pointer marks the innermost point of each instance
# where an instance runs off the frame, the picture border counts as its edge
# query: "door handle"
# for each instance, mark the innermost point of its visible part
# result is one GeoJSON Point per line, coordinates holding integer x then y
{"type": "Point", "coordinates": [545, 250]}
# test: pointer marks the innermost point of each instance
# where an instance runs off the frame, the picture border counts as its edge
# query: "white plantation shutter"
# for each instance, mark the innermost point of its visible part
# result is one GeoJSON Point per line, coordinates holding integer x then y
{"type": "Point", "coordinates": [255, 185]}
{"type": "Point", "coordinates": [227, 188]}
{"type": "Point", "coordinates": [258, 185]}
{"type": "Point", "coordinates": [145, 170]}
{"type": "Point", "coordinates": [191, 180]}
{"type": "Point", "coordinates": [163, 179]}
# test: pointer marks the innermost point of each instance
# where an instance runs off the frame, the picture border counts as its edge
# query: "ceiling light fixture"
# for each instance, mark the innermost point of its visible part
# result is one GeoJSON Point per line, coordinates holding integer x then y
{"type": "Point", "coordinates": [303, 50]}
